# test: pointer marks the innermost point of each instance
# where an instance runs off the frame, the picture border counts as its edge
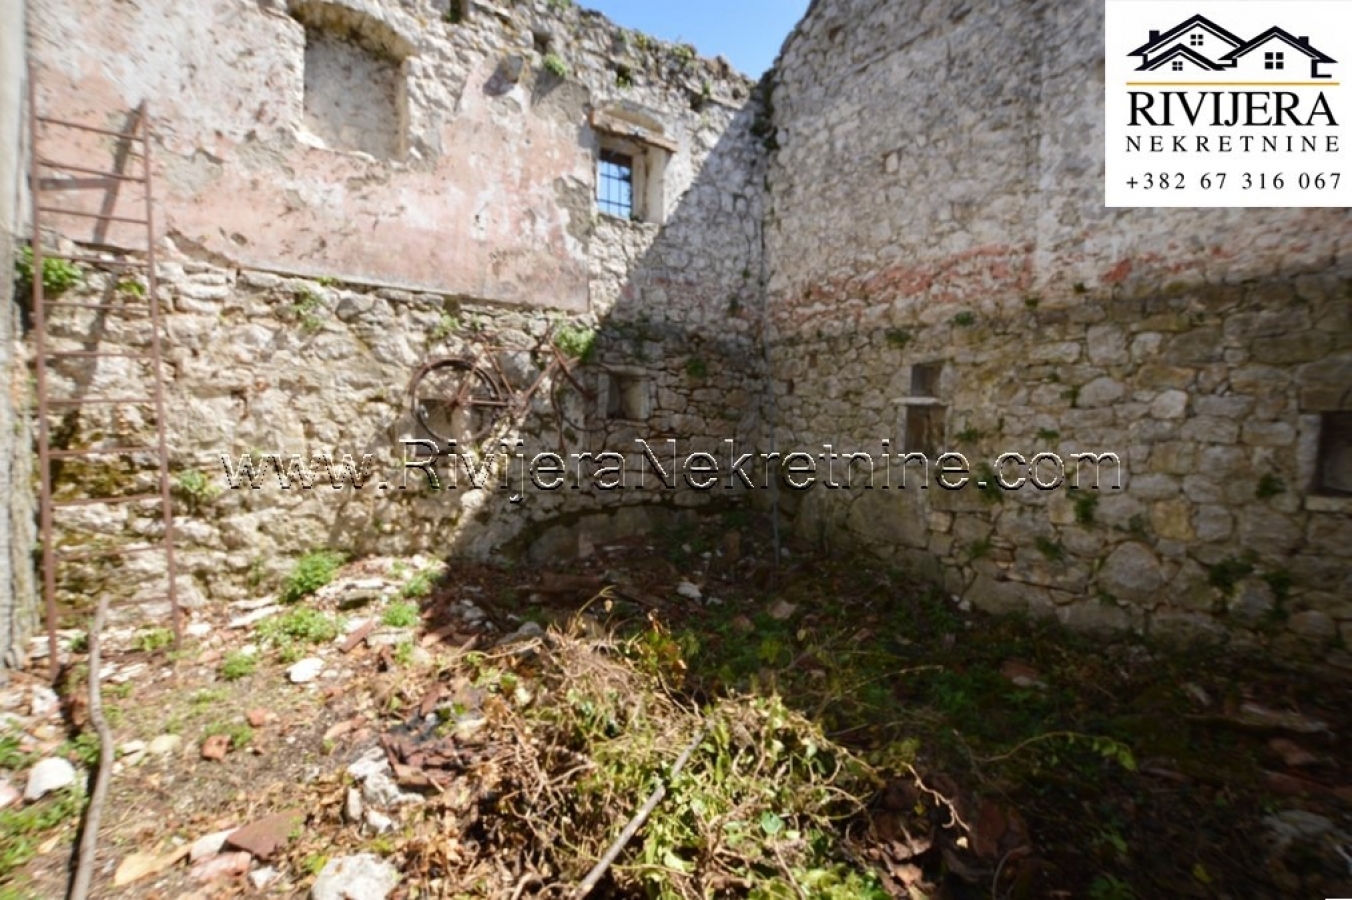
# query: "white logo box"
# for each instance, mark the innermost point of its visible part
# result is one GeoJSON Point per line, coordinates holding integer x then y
{"type": "Point", "coordinates": [1241, 103]}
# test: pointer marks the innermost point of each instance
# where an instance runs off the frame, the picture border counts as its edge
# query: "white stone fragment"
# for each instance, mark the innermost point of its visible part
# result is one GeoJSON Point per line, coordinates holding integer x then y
{"type": "Point", "coordinates": [305, 671]}
{"type": "Point", "coordinates": [50, 774]}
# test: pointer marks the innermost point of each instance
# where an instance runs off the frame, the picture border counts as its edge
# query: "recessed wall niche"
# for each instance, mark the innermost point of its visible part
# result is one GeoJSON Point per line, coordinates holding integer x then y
{"type": "Point", "coordinates": [355, 81]}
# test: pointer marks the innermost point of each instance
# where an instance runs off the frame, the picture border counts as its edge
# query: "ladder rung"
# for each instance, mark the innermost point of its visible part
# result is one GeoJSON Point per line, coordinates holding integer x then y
{"type": "Point", "coordinates": [95, 354]}
{"type": "Point", "coordinates": [77, 184]}
{"type": "Point", "coordinates": [71, 167]}
{"type": "Point", "coordinates": [111, 551]}
{"type": "Point", "coordinates": [108, 501]}
{"type": "Point", "coordinates": [130, 135]}
{"type": "Point", "coordinates": [101, 401]}
{"type": "Point", "coordinates": [52, 210]}
{"type": "Point", "coordinates": [144, 601]}
{"type": "Point", "coordinates": [118, 307]}
{"type": "Point", "coordinates": [96, 261]}
{"type": "Point", "coordinates": [99, 451]}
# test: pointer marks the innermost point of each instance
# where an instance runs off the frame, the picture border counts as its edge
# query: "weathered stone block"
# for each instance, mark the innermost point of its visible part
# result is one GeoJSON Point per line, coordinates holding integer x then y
{"type": "Point", "coordinates": [1234, 407]}
{"type": "Point", "coordinates": [1162, 377]}
{"type": "Point", "coordinates": [1285, 349]}
{"type": "Point", "coordinates": [1131, 572]}
{"type": "Point", "coordinates": [1212, 523]}
{"type": "Point", "coordinates": [1153, 487]}
{"type": "Point", "coordinates": [1209, 429]}
{"type": "Point", "coordinates": [1107, 345]}
{"type": "Point", "coordinates": [1173, 458]}
{"type": "Point", "coordinates": [1193, 347]}
{"type": "Point", "coordinates": [1172, 519]}
{"type": "Point", "coordinates": [1170, 405]}
{"type": "Point", "coordinates": [1095, 616]}
{"type": "Point", "coordinates": [1268, 434]}
{"type": "Point", "coordinates": [1101, 392]}
{"type": "Point", "coordinates": [1313, 625]}
{"type": "Point", "coordinates": [1003, 597]}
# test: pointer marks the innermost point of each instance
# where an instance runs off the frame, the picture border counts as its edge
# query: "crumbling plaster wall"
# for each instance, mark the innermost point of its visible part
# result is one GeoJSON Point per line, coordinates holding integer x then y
{"type": "Point", "coordinates": [490, 213]}
{"type": "Point", "coordinates": [937, 199]}
{"type": "Point", "coordinates": [490, 195]}
{"type": "Point", "coordinates": [18, 609]}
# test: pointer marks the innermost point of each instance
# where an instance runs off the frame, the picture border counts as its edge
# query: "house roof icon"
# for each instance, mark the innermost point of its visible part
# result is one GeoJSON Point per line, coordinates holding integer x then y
{"type": "Point", "coordinates": [1159, 43]}
{"type": "Point", "coordinates": [1178, 51]}
{"type": "Point", "coordinates": [1169, 47]}
{"type": "Point", "coordinates": [1299, 44]}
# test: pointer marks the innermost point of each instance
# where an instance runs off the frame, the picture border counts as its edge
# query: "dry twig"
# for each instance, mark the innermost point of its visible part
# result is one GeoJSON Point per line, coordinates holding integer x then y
{"type": "Point", "coordinates": [89, 836]}
{"type": "Point", "coordinates": [599, 870]}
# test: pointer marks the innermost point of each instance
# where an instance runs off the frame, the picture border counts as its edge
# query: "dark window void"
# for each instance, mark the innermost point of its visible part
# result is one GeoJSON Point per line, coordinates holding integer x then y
{"type": "Point", "coordinates": [925, 379]}
{"type": "Point", "coordinates": [924, 430]}
{"type": "Point", "coordinates": [1178, 65]}
{"type": "Point", "coordinates": [1196, 40]}
{"type": "Point", "coordinates": [925, 415]}
{"type": "Point", "coordinates": [626, 398]}
{"type": "Point", "coordinates": [615, 184]}
{"type": "Point", "coordinates": [1274, 60]}
{"type": "Point", "coordinates": [1334, 476]}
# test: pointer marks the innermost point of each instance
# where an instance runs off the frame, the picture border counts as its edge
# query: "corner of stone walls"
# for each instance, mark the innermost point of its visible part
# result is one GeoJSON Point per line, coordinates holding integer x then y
{"type": "Point", "coordinates": [18, 595]}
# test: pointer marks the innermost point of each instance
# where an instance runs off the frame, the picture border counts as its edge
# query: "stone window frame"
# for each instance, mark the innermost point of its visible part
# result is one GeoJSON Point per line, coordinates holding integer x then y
{"type": "Point", "coordinates": [923, 408]}
{"type": "Point", "coordinates": [1318, 406]}
{"type": "Point", "coordinates": [640, 137]}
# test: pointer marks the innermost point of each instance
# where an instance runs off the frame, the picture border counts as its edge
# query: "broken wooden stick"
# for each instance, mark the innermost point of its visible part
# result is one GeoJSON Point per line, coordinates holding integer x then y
{"type": "Point", "coordinates": [89, 837]}
{"type": "Point", "coordinates": [608, 859]}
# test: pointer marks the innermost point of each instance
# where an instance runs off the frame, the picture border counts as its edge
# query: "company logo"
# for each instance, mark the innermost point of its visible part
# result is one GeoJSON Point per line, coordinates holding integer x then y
{"type": "Point", "coordinates": [1199, 45]}
{"type": "Point", "coordinates": [1226, 108]}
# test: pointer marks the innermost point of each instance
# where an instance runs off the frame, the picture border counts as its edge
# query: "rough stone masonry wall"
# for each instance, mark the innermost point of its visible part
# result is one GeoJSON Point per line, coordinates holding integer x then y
{"type": "Point", "coordinates": [294, 325]}
{"type": "Point", "coordinates": [17, 599]}
{"type": "Point", "coordinates": [272, 140]}
{"type": "Point", "coordinates": [937, 200]}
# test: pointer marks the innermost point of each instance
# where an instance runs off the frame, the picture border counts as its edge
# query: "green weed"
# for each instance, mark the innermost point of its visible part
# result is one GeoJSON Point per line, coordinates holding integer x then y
{"type": "Point", "coordinates": [575, 341]}
{"type": "Point", "coordinates": [1049, 548]}
{"type": "Point", "coordinates": [58, 275]}
{"type": "Point", "coordinates": [152, 640]}
{"type": "Point", "coordinates": [1269, 486]}
{"type": "Point", "coordinates": [555, 65]}
{"type": "Point", "coordinates": [240, 733]}
{"type": "Point", "coordinates": [401, 615]}
{"type": "Point", "coordinates": [301, 625]}
{"type": "Point", "coordinates": [1086, 507]}
{"type": "Point", "coordinates": [238, 664]}
{"type": "Point", "coordinates": [311, 572]}
{"type": "Point", "coordinates": [26, 827]}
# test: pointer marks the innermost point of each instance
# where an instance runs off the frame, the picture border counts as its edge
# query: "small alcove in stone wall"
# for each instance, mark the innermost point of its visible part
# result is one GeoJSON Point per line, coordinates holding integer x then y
{"type": "Point", "coordinates": [1325, 435]}
{"type": "Point", "coordinates": [355, 80]}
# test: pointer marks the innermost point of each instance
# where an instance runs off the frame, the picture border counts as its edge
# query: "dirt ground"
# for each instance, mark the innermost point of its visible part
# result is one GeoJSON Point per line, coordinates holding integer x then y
{"type": "Point", "coordinates": [972, 757]}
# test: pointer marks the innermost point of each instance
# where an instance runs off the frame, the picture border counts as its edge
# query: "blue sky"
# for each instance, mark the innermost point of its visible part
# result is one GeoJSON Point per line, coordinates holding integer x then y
{"type": "Point", "coordinates": [747, 32]}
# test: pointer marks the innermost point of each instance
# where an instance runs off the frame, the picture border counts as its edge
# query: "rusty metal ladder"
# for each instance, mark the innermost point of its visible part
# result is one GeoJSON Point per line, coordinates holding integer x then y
{"type": "Point", "coordinates": [136, 140]}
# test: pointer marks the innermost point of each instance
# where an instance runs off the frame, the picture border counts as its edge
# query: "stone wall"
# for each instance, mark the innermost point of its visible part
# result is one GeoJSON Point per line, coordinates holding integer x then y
{"type": "Point", "coordinates": [18, 609]}
{"type": "Point", "coordinates": [895, 246]}
{"type": "Point", "coordinates": [315, 371]}
{"type": "Point", "coordinates": [444, 135]}
{"type": "Point", "coordinates": [944, 272]}
{"type": "Point", "coordinates": [295, 331]}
